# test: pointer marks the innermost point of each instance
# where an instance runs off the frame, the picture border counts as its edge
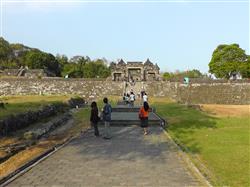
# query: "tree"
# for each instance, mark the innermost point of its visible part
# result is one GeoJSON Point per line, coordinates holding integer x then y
{"type": "Point", "coordinates": [167, 75]}
{"type": "Point", "coordinates": [36, 59]}
{"type": "Point", "coordinates": [17, 55]}
{"type": "Point", "coordinates": [245, 68]}
{"type": "Point", "coordinates": [62, 59]}
{"type": "Point", "coordinates": [228, 60]}
{"type": "Point", "coordinates": [6, 53]}
{"type": "Point", "coordinates": [68, 69]}
{"type": "Point", "coordinates": [179, 75]}
{"type": "Point", "coordinates": [193, 74]}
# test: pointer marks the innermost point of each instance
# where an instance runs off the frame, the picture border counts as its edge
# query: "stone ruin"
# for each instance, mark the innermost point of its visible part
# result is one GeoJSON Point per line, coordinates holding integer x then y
{"type": "Point", "coordinates": [135, 71]}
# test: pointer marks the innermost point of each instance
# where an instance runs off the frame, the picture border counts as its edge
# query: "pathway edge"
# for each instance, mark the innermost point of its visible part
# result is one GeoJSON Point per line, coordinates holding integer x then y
{"type": "Point", "coordinates": [32, 163]}
{"type": "Point", "coordinates": [190, 164]}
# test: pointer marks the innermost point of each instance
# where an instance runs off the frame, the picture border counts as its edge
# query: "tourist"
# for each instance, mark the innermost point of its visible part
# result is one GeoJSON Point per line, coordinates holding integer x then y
{"type": "Point", "coordinates": [127, 98]}
{"type": "Point", "coordinates": [142, 93]}
{"type": "Point", "coordinates": [143, 115]}
{"type": "Point", "coordinates": [131, 91]}
{"type": "Point", "coordinates": [139, 95]}
{"type": "Point", "coordinates": [107, 109]}
{"type": "Point", "coordinates": [145, 97]}
{"type": "Point", "coordinates": [94, 118]}
{"type": "Point", "coordinates": [132, 99]}
{"type": "Point", "coordinates": [124, 97]}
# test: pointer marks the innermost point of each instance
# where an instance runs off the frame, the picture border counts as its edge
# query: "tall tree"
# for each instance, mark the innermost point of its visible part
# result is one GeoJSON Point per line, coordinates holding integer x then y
{"type": "Point", "coordinates": [62, 59]}
{"type": "Point", "coordinates": [36, 59]}
{"type": "Point", "coordinates": [6, 53]}
{"type": "Point", "coordinates": [228, 60]}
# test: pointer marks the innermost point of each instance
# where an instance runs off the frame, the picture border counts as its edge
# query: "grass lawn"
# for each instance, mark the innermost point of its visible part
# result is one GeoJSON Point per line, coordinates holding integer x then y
{"type": "Point", "coordinates": [81, 118]}
{"type": "Point", "coordinates": [19, 104]}
{"type": "Point", "coordinates": [218, 146]}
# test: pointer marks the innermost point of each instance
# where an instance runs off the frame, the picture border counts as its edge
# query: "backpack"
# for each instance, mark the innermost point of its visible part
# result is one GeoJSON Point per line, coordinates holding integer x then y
{"type": "Point", "coordinates": [107, 109]}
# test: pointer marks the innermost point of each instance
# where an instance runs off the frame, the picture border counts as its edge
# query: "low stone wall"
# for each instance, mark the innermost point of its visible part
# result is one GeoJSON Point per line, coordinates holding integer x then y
{"type": "Point", "coordinates": [20, 121]}
{"type": "Point", "coordinates": [199, 93]}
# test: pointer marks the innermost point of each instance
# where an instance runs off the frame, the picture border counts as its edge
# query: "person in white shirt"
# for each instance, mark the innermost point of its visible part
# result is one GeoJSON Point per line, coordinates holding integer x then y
{"type": "Point", "coordinates": [132, 99]}
{"type": "Point", "coordinates": [145, 97]}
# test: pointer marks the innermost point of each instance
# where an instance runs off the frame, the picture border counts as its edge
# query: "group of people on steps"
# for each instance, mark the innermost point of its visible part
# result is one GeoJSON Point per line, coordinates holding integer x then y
{"type": "Point", "coordinates": [129, 98]}
{"type": "Point", "coordinates": [106, 116]}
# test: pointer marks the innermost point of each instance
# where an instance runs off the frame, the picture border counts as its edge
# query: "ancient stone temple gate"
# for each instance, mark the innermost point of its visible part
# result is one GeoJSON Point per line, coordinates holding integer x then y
{"type": "Point", "coordinates": [134, 71]}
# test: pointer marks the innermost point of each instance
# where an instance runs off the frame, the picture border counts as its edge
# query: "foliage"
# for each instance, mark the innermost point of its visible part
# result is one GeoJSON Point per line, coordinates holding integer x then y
{"type": "Point", "coordinates": [62, 59]}
{"type": "Point", "coordinates": [180, 75]}
{"type": "Point", "coordinates": [83, 67]}
{"type": "Point", "coordinates": [17, 55]}
{"type": "Point", "coordinates": [245, 68]}
{"type": "Point", "coordinates": [228, 60]}
{"type": "Point", "coordinates": [36, 59]}
{"type": "Point", "coordinates": [5, 49]}
{"type": "Point", "coordinates": [5, 53]}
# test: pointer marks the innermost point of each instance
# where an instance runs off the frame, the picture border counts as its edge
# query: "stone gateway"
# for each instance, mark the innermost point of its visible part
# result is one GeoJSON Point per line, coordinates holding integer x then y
{"type": "Point", "coordinates": [135, 71]}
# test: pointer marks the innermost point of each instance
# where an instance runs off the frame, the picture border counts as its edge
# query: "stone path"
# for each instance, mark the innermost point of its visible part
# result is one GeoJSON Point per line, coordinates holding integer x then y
{"type": "Point", "coordinates": [128, 159]}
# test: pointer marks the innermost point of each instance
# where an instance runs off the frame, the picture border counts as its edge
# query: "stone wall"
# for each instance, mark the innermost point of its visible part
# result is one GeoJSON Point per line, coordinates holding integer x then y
{"type": "Point", "coordinates": [199, 93]}
{"type": "Point", "coordinates": [204, 93]}
{"type": "Point", "coordinates": [209, 93]}
{"type": "Point", "coordinates": [219, 93]}
{"type": "Point", "coordinates": [59, 86]}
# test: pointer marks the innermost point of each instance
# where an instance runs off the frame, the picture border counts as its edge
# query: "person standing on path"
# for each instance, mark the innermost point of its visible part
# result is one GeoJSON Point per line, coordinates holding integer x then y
{"type": "Point", "coordinates": [94, 118]}
{"type": "Point", "coordinates": [132, 99]}
{"type": "Point", "coordinates": [107, 109]}
{"type": "Point", "coordinates": [145, 97]}
{"type": "Point", "coordinates": [143, 115]}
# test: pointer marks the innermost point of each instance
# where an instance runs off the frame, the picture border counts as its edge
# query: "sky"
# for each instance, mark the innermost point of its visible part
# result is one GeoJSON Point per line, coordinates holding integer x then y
{"type": "Point", "coordinates": [178, 35]}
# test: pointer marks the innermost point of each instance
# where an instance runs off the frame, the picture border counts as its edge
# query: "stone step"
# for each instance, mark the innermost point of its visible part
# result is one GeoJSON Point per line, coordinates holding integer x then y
{"type": "Point", "coordinates": [124, 108]}
{"type": "Point", "coordinates": [132, 118]}
{"type": "Point", "coordinates": [135, 122]}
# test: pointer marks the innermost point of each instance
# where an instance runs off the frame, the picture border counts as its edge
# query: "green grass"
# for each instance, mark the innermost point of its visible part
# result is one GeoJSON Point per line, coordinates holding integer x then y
{"type": "Point", "coordinates": [20, 104]}
{"type": "Point", "coordinates": [82, 115]}
{"type": "Point", "coordinates": [219, 147]}
{"type": "Point", "coordinates": [81, 118]}
{"type": "Point", "coordinates": [112, 101]}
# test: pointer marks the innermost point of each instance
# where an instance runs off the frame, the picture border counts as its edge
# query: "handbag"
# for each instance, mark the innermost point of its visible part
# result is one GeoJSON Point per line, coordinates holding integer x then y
{"type": "Point", "coordinates": [140, 116]}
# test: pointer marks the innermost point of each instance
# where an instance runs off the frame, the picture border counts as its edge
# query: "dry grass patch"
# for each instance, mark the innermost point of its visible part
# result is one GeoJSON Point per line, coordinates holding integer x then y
{"type": "Point", "coordinates": [25, 156]}
{"type": "Point", "coordinates": [227, 110]}
{"type": "Point", "coordinates": [8, 140]}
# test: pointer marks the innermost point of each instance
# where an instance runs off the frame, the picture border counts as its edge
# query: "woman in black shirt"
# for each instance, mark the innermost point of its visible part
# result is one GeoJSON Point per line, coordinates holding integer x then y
{"type": "Point", "coordinates": [94, 118]}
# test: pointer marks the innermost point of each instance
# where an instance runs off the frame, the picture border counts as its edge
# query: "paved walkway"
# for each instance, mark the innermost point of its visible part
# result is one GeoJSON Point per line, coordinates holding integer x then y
{"type": "Point", "coordinates": [128, 159]}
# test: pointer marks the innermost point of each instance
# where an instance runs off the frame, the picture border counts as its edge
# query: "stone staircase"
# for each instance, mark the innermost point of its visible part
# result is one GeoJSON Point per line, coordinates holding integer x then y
{"type": "Point", "coordinates": [137, 87]}
{"type": "Point", "coordinates": [123, 115]}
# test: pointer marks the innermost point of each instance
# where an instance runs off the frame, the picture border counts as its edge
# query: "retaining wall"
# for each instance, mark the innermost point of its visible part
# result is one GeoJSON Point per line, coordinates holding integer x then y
{"type": "Point", "coordinates": [199, 93]}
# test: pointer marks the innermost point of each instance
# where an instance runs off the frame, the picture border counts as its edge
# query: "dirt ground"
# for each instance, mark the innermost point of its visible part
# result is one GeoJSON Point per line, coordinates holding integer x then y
{"type": "Point", "coordinates": [227, 110]}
